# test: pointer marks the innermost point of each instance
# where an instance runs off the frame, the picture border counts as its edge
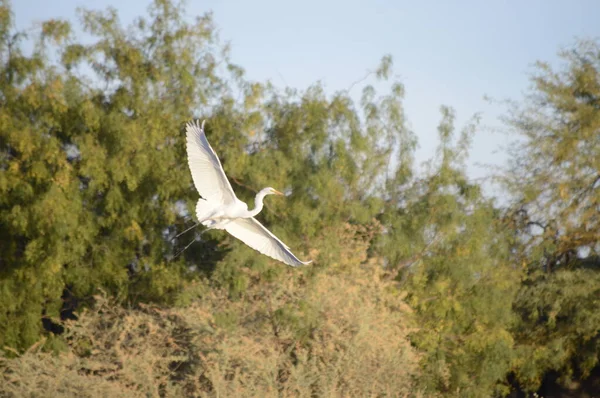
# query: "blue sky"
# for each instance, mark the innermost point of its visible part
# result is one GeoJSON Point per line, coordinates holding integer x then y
{"type": "Point", "coordinates": [445, 52]}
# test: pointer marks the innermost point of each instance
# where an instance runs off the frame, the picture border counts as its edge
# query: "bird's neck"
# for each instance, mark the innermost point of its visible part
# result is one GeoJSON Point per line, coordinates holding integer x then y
{"type": "Point", "coordinates": [258, 203]}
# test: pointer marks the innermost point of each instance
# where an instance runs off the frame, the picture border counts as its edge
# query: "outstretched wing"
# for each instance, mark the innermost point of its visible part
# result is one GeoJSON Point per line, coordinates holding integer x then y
{"type": "Point", "coordinates": [208, 175]}
{"type": "Point", "coordinates": [255, 235]}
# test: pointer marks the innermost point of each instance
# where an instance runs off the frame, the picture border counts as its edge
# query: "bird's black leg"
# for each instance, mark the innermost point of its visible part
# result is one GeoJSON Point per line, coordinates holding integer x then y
{"type": "Point", "coordinates": [181, 233]}
{"type": "Point", "coordinates": [189, 244]}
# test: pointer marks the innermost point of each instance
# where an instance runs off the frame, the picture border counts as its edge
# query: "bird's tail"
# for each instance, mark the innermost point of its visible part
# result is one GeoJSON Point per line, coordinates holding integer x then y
{"type": "Point", "coordinates": [204, 210]}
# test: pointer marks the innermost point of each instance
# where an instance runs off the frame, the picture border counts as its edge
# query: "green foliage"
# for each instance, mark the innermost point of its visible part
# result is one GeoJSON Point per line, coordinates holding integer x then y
{"type": "Point", "coordinates": [555, 178]}
{"type": "Point", "coordinates": [559, 326]}
{"type": "Point", "coordinates": [453, 260]}
{"type": "Point", "coordinates": [92, 169]}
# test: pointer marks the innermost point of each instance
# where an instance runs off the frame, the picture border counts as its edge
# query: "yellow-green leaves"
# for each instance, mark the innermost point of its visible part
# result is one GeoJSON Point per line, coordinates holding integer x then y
{"type": "Point", "coordinates": [56, 30]}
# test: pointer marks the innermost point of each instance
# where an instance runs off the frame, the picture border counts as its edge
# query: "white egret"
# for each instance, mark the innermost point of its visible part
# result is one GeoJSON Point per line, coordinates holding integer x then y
{"type": "Point", "coordinates": [219, 208]}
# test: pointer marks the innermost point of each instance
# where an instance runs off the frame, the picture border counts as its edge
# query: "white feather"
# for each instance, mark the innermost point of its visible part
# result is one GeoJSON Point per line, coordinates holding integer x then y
{"type": "Point", "coordinates": [207, 172]}
{"type": "Point", "coordinates": [255, 235]}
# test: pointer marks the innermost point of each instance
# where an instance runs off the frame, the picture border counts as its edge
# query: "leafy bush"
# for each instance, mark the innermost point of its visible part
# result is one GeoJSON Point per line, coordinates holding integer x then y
{"type": "Point", "coordinates": [340, 332]}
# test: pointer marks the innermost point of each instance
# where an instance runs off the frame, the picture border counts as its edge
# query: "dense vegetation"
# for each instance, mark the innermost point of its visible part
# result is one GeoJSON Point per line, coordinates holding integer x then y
{"type": "Point", "coordinates": [421, 286]}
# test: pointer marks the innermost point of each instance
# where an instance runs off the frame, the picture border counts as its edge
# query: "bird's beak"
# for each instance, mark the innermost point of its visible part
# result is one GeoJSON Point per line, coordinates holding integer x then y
{"type": "Point", "coordinates": [276, 192]}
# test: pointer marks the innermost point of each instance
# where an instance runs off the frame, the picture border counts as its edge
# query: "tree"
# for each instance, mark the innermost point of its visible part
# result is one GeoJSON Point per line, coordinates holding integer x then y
{"type": "Point", "coordinates": [95, 181]}
{"type": "Point", "coordinates": [445, 246]}
{"type": "Point", "coordinates": [555, 180]}
{"type": "Point", "coordinates": [92, 169]}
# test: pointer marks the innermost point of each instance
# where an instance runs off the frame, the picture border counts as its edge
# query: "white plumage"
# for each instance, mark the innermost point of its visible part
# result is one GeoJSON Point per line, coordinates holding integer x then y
{"type": "Point", "coordinates": [219, 208]}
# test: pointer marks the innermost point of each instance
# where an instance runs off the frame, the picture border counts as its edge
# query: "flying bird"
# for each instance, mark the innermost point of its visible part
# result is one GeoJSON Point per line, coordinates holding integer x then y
{"type": "Point", "coordinates": [219, 208]}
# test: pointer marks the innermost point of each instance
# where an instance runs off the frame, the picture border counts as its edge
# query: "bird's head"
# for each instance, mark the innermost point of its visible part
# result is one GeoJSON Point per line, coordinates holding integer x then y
{"type": "Point", "coordinates": [272, 191]}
